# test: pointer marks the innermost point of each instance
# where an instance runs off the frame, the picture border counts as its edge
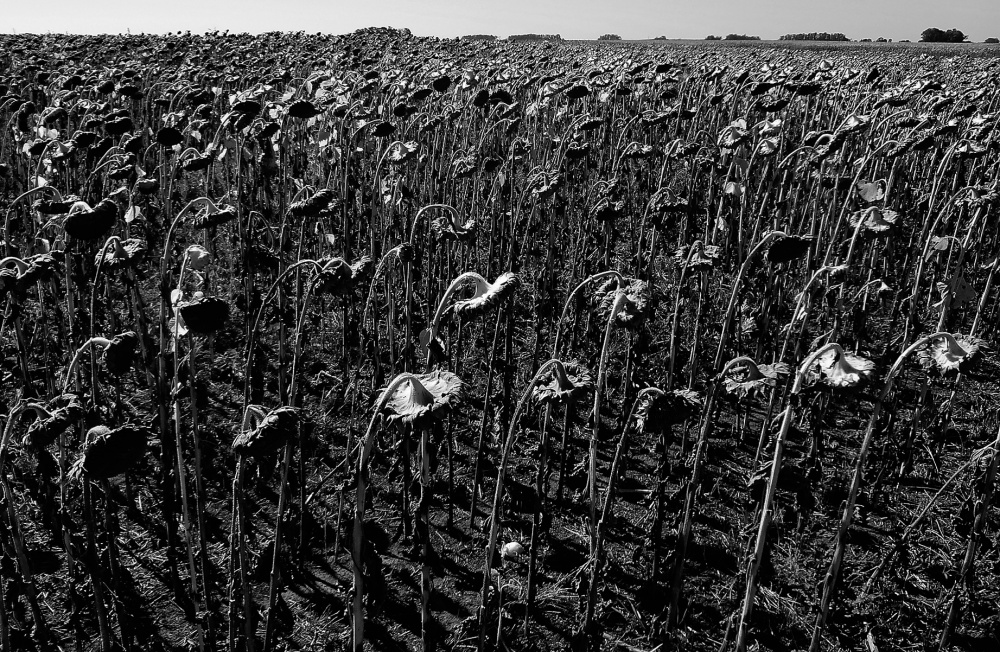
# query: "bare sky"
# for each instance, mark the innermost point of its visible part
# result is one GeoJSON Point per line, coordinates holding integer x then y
{"type": "Point", "coordinates": [573, 19]}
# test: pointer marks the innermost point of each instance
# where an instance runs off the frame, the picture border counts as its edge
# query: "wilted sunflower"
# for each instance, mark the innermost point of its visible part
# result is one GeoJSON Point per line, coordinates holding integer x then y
{"type": "Point", "coordinates": [635, 150]}
{"type": "Point", "coordinates": [169, 136]}
{"type": "Point", "coordinates": [247, 107]}
{"type": "Point", "coordinates": [400, 151]}
{"type": "Point", "coordinates": [195, 161]}
{"type": "Point", "coordinates": [950, 354]}
{"type": "Point", "coordinates": [53, 207]}
{"type": "Point", "coordinates": [314, 205]}
{"type": "Point", "coordinates": [733, 135]}
{"type": "Point", "coordinates": [110, 452]}
{"type": "Point", "coordinates": [120, 352]}
{"type": "Point", "coordinates": [212, 215]}
{"type": "Point", "coordinates": [767, 147]}
{"type": "Point", "coordinates": [204, 315]}
{"type": "Point", "coordinates": [86, 223]}
{"type": "Point", "coordinates": [487, 295]}
{"type": "Point", "coordinates": [633, 309]}
{"type": "Point", "coordinates": [338, 278]}
{"type": "Point", "coordinates": [679, 149]}
{"type": "Point", "coordinates": [838, 368]}
{"type": "Point", "coordinates": [664, 409]}
{"type": "Point", "coordinates": [967, 149]}
{"type": "Point", "coordinates": [871, 192]}
{"type": "Point", "coordinates": [44, 431]}
{"type": "Point", "coordinates": [446, 227]}
{"type": "Point", "coordinates": [563, 383]}
{"type": "Point", "coordinates": [124, 253]}
{"type": "Point", "coordinates": [577, 149]}
{"type": "Point", "coordinates": [545, 184]}
{"type": "Point", "coordinates": [272, 432]}
{"type": "Point", "coordinates": [303, 109]}
{"type": "Point", "coordinates": [417, 399]}
{"type": "Point", "coordinates": [39, 267]}
{"type": "Point", "coordinates": [147, 186]}
{"type": "Point", "coordinates": [875, 220]}
{"type": "Point", "coordinates": [607, 208]}
{"type": "Point", "coordinates": [382, 128]}
{"type": "Point", "coordinates": [956, 291]}
{"type": "Point", "coordinates": [665, 202]}
{"type": "Point", "coordinates": [744, 377]}
{"type": "Point", "coordinates": [697, 257]}
{"type": "Point", "coordinates": [198, 257]}
{"type": "Point", "coordinates": [578, 91]}
{"type": "Point", "coordinates": [464, 167]}
{"type": "Point", "coordinates": [786, 248]}
{"type": "Point", "coordinates": [977, 196]}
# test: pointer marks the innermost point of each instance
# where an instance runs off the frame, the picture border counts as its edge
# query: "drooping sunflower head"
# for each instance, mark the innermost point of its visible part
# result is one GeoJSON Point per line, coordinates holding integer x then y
{"type": "Point", "coordinates": [273, 431]}
{"type": "Point", "coordinates": [786, 248]}
{"type": "Point", "coordinates": [698, 257]}
{"type": "Point", "coordinates": [743, 377]}
{"type": "Point", "coordinates": [423, 397]}
{"type": "Point", "coordinates": [124, 254]}
{"type": "Point", "coordinates": [204, 315]}
{"type": "Point", "coordinates": [565, 382]}
{"type": "Point", "coordinates": [488, 295]}
{"type": "Point", "coordinates": [875, 221]}
{"type": "Point", "coordinates": [120, 353]}
{"type": "Point", "coordinates": [109, 452]}
{"type": "Point", "coordinates": [44, 431]}
{"type": "Point", "coordinates": [632, 310]}
{"type": "Point", "coordinates": [661, 410]}
{"type": "Point", "coordinates": [951, 354]}
{"type": "Point", "coordinates": [447, 227]}
{"type": "Point", "coordinates": [839, 369]}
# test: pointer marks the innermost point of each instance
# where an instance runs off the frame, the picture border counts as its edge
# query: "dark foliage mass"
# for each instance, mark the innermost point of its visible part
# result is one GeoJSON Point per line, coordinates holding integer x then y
{"type": "Point", "coordinates": [935, 35]}
{"type": "Point", "coordinates": [815, 36]}
{"type": "Point", "coordinates": [534, 37]}
{"type": "Point", "coordinates": [376, 342]}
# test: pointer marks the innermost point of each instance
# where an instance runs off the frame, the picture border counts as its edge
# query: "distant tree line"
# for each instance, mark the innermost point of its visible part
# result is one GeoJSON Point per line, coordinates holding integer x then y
{"type": "Point", "coordinates": [994, 40]}
{"type": "Point", "coordinates": [609, 37]}
{"type": "Point", "coordinates": [534, 37]}
{"type": "Point", "coordinates": [815, 36]}
{"type": "Point", "coordinates": [741, 37]}
{"type": "Point", "coordinates": [935, 35]}
{"type": "Point", "coordinates": [479, 37]}
{"type": "Point", "coordinates": [713, 37]}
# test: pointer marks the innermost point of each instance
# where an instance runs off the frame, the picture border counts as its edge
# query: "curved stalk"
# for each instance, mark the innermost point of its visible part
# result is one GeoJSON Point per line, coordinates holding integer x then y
{"type": "Point", "coordinates": [498, 495]}
{"type": "Point", "coordinates": [829, 584]}
{"type": "Point", "coordinates": [772, 488]}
